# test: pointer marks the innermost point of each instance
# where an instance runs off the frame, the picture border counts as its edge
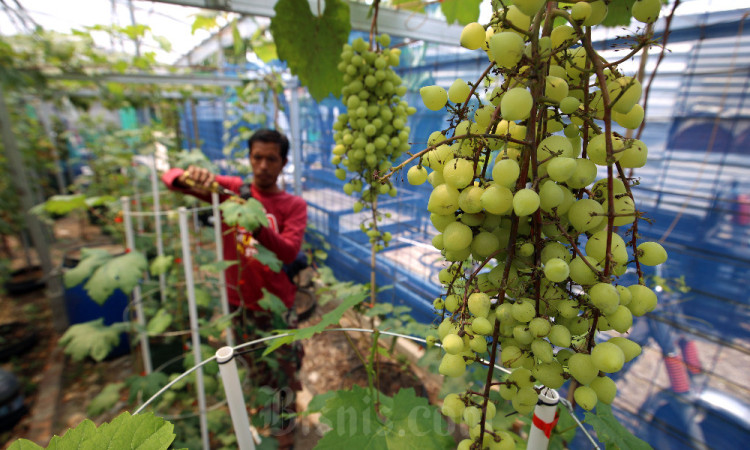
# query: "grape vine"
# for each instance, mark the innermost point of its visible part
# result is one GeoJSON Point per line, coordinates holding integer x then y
{"type": "Point", "coordinates": [534, 244]}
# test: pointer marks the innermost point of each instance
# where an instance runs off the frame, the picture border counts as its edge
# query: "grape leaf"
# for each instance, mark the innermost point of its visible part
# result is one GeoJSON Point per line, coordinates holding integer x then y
{"type": "Point", "coordinates": [618, 13]}
{"type": "Point", "coordinates": [160, 264]}
{"type": "Point", "coordinates": [121, 272]}
{"type": "Point", "coordinates": [409, 422]}
{"type": "Point", "coordinates": [463, 11]}
{"type": "Point", "coordinates": [73, 438]}
{"type": "Point", "coordinates": [202, 298]}
{"type": "Point", "coordinates": [249, 215]}
{"type": "Point", "coordinates": [160, 322]}
{"type": "Point", "coordinates": [99, 200]}
{"type": "Point", "coordinates": [92, 339]}
{"type": "Point", "coordinates": [105, 399]}
{"type": "Point", "coordinates": [610, 431]}
{"type": "Point", "coordinates": [144, 431]}
{"type": "Point", "coordinates": [145, 386]}
{"type": "Point", "coordinates": [267, 257]}
{"type": "Point", "coordinates": [313, 50]}
{"type": "Point", "coordinates": [63, 204]}
{"type": "Point", "coordinates": [91, 259]}
{"type": "Point", "coordinates": [272, 303]}
{"type": "Point", "coordinates": [204, 22]}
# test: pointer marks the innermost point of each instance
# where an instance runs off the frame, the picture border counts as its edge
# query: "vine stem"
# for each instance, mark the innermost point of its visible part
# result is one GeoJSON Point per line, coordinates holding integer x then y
{"type": "Point", "coordinates": [374, 24]}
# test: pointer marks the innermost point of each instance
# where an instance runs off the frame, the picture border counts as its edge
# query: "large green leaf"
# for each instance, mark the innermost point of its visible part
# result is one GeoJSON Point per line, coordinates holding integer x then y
{"type": "Point", "coordinates": [267, 257]}
{"type": "Point", "coordinates": [248, 215]}
{"type": "Point", "coordinates": [272, 303]}
{"type": "Point", "coordinates": [121, 272]}
{"type": "Point", "coordinates": [63, 204]}
{"type": "Point", "coordinates": [91, 339]}
{"type": "Point", "coordinates": [160, 322]}
{"type": "Point", "coordinates": [405, 421]}
{"type": "Point", "coordinates": [91, 259]}
{"type": "Point", "coordinates": [142, 432]}
{"type": "Point", "coordinates": [310, 45]}
{"type": "Point", "coordinates": [463, 11]}
{"type": "Point", "coordinates": [610, 431]}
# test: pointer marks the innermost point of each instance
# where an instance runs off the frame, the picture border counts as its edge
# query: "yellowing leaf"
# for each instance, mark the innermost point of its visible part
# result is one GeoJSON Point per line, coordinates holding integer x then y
{"type": "Point", "coordinates": [311, 45]}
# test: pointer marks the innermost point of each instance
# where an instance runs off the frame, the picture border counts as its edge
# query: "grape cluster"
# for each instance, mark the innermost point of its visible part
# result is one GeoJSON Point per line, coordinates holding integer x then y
{"type": "Point", "coordinates": [535, 240]}
{"type": "Point", "coordinates": [373, 131]}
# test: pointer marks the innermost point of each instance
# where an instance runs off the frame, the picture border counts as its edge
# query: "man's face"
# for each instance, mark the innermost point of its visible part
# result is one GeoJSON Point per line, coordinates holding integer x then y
{"type": "Point", "coordinates": [265, 158]}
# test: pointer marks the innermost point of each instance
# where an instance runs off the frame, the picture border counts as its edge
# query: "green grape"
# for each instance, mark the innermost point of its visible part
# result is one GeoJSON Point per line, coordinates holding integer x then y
{"type": "Point", "coordinates": [643, 299]}
{"type": "Point", "coordinates": [585, 214]}
{"type": "Point", "coordinates": [478, 345]}
{"type": "Point", "coordinates": [434, 97]}
{"type": "Point", "coordinates": [597, 150]}
{"type": "Point", "coordinates": [472, 36]}
{"type": "Point", "coordinates": [607, 357]}
{"type": "Point", "coordinates": [453, 344]}
{"type": "Point", "coordinates": [580, 271]}
{"type": "Point", "coordinates": [651, 254]}
{"type": "Point", "coordinates": [569, 105]}
{"type": "Point", "coordinates": [563, 36]}
{"type": "Point", "coordinates": [452, 365]}
{"type": "Point", "coordinates": [624, 208]}
{"type": "Point", "coordinates": [646, 11]}
{"type": "Point", "coordinates": [525, 202]}
{"type": "Point", "coordinates": [598, 14]}
{"type": "Point", "coordinates": [458, 172]}
{"type": "Point", "coordinates": [554, 146]}
{"type": "Point", "coordinates": [580, 11]}
{"type": "Point", "coordinates": [465, 444]}
{"type": "Point", "coordinates": [516, 104]}
{"type": "Point", "coordinates": [497, 199]}
{"type": "Point", "coordinates": [605, 389]}
{"type": "Point", "coordinates": [451, 302]}
{"type": "Point", "coordinates": [457, 236]}
{"type": "Point", "coordinates": [443, 200]}
{"type": "Point", "coordinates": [469, 200]}
{"type": "Point", "coordinates": [472, 415]}
{"type": "Point", "coordinates": [556, 89]}
{"type": "Point", "coordinates": [621, 319]}
{"type": "Point", "coordinates": [505, 172]}
{"type": "Point", "coordinates": [471, 219]}
{"type": "Point", "coordinates": [605, 297]}
{"type": "Point", "coordinates": [583, 175]}
{"type": "Point", "coordinates": [629, 348]}
{"type": "Point", "coordinates": [559, 335]}
{"type": "Point", "coordinates": [624, 93]}
{"type": "Point", "coordinates": [445, 327]}
{"type": "Point", "coordinates": [596, 247]}
{"type": "Point", "coordinates": [416, 175]}
{"type": "Point", "coordinates": [441, 221]}
{"type": "Point", "coordinates": [585, 397]}
{"type": "Point", "coordinates": [517, 18]}
{"type": "Point", "coordinates": [459, 91]}
{"type": "Point", "coordinates": [435, 138]}
{"type": "Point", "coordinates": [525, 400]}
{"type": "Point", "coordinates": [479, 304]}
{"type": "Point", "coordinates": [634, 155]}
{"type": "Point", "coordinates": [485, 244]}
{"type": "Point", "coordinates": [556, 270]}
{"type": "Point", "coordinates": [481, 326]}
{"type": "Point", "coordinates": [582, 368]}
{"type": "Point", "coordinates": [549, 374]}
{"type": "Point", "coordinates": [554, 249]}
{"type": "Point", "coordinates": [453, 406]}
{"type": "Point", "coordinates": [625, 295]}
{"type": "Point", "coordinates": [630, 120]}
{"type": "Point", "coordinates": [523, 311]}
{"type": "Point", "coordinates": [510, 355]}
{"type": "Point", "coordinates": [483, 116]}
{"type": "Point", "coordinates": [437, 242]}
{"type": "Point", "coordinates": [539, 327]}
{"type": "Point", "coordinates": [529, 7]}
{"type": "Point", "coordinates": [542, 350]}
{"type": "Point", "coordinates": [561, 168]}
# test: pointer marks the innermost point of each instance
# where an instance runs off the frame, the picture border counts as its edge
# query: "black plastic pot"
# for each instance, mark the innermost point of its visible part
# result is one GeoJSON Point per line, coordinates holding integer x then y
{"type": "Point", "coordinates": [25, 280]}
{"type": "Point", "coordinates": [16, 338]}
{"type": "Point", "coordinates": [12, 406]}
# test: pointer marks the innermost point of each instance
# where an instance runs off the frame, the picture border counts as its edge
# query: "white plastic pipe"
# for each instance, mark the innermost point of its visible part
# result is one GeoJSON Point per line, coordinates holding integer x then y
{"type": "Point", "coordinates": [233, 389]}
{"type": "Point", "coordinates": [187, 261]}
{"type": "Point", "coordinates": [220, 257]}
{"type": "Point", "coordinates": [140, 317]}
{"type": "Point", "coordinates": [157, 225]}
{"type": "Point", "coordinates": [296, 137]}
{"type": "Point", "coordinates": [544, 420]}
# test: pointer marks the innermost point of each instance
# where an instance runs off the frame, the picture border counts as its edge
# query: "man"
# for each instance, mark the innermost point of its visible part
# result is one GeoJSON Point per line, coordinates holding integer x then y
{"type": "Point", "coordinates": [287, 219]}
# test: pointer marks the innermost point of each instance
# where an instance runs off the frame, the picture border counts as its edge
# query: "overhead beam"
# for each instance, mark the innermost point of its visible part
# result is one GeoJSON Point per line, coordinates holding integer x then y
{"type": "Point", "coordinates": [405, 24]}
{"type": "Point", "coordinates": [145, 78]}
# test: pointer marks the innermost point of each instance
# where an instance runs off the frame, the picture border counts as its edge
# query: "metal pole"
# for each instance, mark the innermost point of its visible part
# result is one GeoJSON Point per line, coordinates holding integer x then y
{"type": "Point", "coordinates": [220, 257]}
{"type": "Point", "coordinates": [296, 138]}
{"type": "Point", "coordinates": [545, 416]}
{"type": "Point", "coordinates": [62, 187]}
{"type": "Point", "coordinates": [187, 261]}
{"type": "Point", "coordinates": [137, 300]}
{"type": "Point", "coordinates": [157, 225]}
{"type": "Point", "coordinates": [233, 389]}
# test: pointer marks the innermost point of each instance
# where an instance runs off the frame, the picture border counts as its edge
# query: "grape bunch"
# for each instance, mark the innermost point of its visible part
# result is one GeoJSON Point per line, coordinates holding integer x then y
{"type": "Point", "coordinates": [535, 214]}
{"type": "Point", "coordinates": [373, 131]}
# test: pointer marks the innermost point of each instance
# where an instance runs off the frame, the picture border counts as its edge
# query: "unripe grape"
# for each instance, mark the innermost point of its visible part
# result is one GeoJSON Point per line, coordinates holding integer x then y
{"type": "Point", "coordinates": [443, 200]}
{"type": "Point", "coordinates": [554, 249]}
{"type": "Point", "coordinates": [497, 199]}
{"type": "Point", "coordinates": [598, 13]}
{"type": "Point", "coordinates": [554, 146]}
{"type": "Point", "coordinates": [529, 7]}
{"type": "Point", "coordinates": [525, 401]}
{"type": "Point", "coordinates": [597, 150]}
{"type": "Point", "coordinates": [630, 120]}
{"type": "Point", "coordinates": [605, 297]}
{"type": "Point", "coordinates": [556, 270]}
{"type": "Point", "coordinates": [540, 327]}
{"type": "Point", "coordinates": [441, 221]}
{"type": "Point", "coordinates": [607, 357]}
{"type": "Point", "coordinates": [646, 11]}
{"type": "Point", "coordinates": [517, 18]}
{"type": "Point", "coordinates": [625, 295]}
{"type": "Point", "coordinates": [434, 97]}
{"type": "Point", "coordinates": [549, 374]}
{"type": "Point", "coordinates": [651, 253]}
{"type": "Point", "coordinates": [505, 172]}
{"type": "Point", "coordinates": [561, 168]}
{"type": "Point", "coordinates": [559, 336]}
{"type": "Point", "coordinates": [481, 326]}
{"type": "Point", "coordinates": [582, 368]}
{"type": "Point", "coordinates": [556, 89]}
{"type": "Point", "coordinates": [542, 350]}
{"type": "Point", "coordinates": [585, 214]}
{"type": "Point", "coordinates": [478, 344]}
{"type": "Point", "coordinates": [484, 244]}
{"type": "Point", "coordinates": [525, 202]}
{"type": "Point", "coordinates": [516, 104]}
{"type": "Point", "coordinates": [506, 49]}
{"type": "Point", "coordinates": [580, 11]}
{"type": "Point", "coordinates": [451, 302]}
{"type": "Point", "coordinates": [479, 304]}
{"type": "Point", "coordinates": [523, 311]}
{"type": "Point", "coordinates": [585, 397]}
{"type": "Point", "coordinates": [522, 335]}
{"type": "Point", "coordinates": [605, 389]}
{"type": "Point", "coordinates": [580, 271]}
{"type": "Point", "coordinates": [621, 319]}
{"type": "Point", "coordinates": [416, 175]}
{"type": "Point", "coordinates": [472, 36]}
{"type": "Point", "coordinates": [569, 104]}
{"type": "Point", "coordinates": [453, 344]}
{"type": "Point", "coordinates": [510, 355]}
{"type": "Point", "coordinates": [452, 365]}
{"type": "Point", "coordinates": [629, 348]}
{"type": "Point", "coordinates": [583, 175]}
{"type": "Point", "coordinates": [459, 91]}
{"type": "Point", "coordinates": [634, 155]}
{"type": "Point", "coordinates": [453, 406]}
{"type": "Point", "coordinates": [457, 236]}
{"type": "Point", "coordinates": [643, 300]}
{"type": "Point", "coordinates": [458, 172]}
{"type": "Point", "coordinates": [596, 247]}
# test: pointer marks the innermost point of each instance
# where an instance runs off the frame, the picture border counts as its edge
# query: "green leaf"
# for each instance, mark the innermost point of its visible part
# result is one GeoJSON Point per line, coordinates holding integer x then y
{"type": "Point", "coordinates": [202, 298]}
{"type": "Point", "coordinates": [408, 422]}
{"type": "Point", "coordinates": [25, 444]}
{"type": "Point", "coordinates": [146, 385]}
{"type": "Point", "coordinates": [272, 303]}
{"type": "Point", "coordinates": [160, 265]}
{"type": "Point", "coordinates": [64, 204]}
{"type": "Point", "coordinates": [313, 50]}
{"type": "Point", "coordinates": [610, 431]}
{"type": "Point", "coordinates": [318, 402]}
{"type": "Point", "coordinates": [217, 266]}
{"type": "Point", "coordinates": [99, 200]}
{"type": "Point", "coordinates": [160, 322]}
{"type": "Point", "coordinates": [122, 272]}
{"type": "Point", "coordinates": [463, 11]}
{"type": "Point", "coordinates": [143, 432]}
{"type": "Point", "coordinates": [249, 215]}
{"type": "Point", "coordinates": [105, 400]}
{"type": "Point", "coordinates": [267, 257]}
{"type": "Point", "coordinates": [75, 437]}
{"type": "Point", "coordinates": [91, 259]}
{"type": "Point", "coordinates": [204, 22]}
{"type": "Point", "coordinates": [91, 339]}
{"type": "Point", "coordinates": [237, 41]}
{"type": "Point", "coordinates": [266, 51]}
{"type": "Point", "coordinates": [330, 318]}
{"type": "Point", "coordinates": [164, 43]}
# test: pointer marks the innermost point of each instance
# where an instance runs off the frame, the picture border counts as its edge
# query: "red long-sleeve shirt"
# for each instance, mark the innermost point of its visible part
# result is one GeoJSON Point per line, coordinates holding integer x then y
{"type": "Point", "coordinates": [287, 219]}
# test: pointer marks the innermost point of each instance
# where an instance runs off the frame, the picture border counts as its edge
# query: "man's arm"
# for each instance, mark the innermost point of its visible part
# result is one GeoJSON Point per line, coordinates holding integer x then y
{"type": "Point", "coordinates": [201, 179]}
{"type": "Point", "coordinates": [287, 243]}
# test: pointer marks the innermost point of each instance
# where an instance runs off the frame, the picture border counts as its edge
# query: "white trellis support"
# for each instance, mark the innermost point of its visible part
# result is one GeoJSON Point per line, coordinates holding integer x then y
{"type": "Point", "coordinates": [157, 225]}
{"type": "Point", "coordinates": [219, 258]}
{"type": "Point", "coordinates": [543, 420]}
{"type": "Point", "coordinates": [187, 261]}
{"type": "Point", "coordinates": [137, 300]}
{"type": "Point", "coordinates": [296, 136]}
{"type": "Point", "coordinates": [233, 389]}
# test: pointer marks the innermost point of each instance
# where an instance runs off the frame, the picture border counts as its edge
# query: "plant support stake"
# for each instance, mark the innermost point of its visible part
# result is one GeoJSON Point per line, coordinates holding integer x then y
{"type": "Point", "coordinates": [220, 258]}
{"type": "Point", "coordinates": [233, 389]}
{"type": "Point", "coordinates": [157, 225]}
{"type": "Point", "coordinates": [187, 261]}
{"type": "Point", "coordinates": [137, 301]}
{"type": "Point", "coordinates": [544, 419]}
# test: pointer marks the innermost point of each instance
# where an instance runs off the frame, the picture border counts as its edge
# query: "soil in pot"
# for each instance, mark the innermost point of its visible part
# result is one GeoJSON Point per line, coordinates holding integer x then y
{"type": "Point", "coordinates": [392, 377]}
{"type": "Point", "coordinates": [15, 338]}
{"type": "Point", "coordinates": [24, 280]}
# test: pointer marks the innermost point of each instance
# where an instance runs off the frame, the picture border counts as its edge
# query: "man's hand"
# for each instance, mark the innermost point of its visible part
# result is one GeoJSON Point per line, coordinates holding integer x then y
{"type": "Point", "coordinates": [197, 177]}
